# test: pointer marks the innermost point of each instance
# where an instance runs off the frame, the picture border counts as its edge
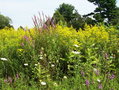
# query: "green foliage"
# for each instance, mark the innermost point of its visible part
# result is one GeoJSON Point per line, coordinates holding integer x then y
{"type": "Point", "coordinates": [58, 17]}
{"type": "Point", "coordinates": [4, 21]}
{"type": "Point", "coordinates": [67, 13]}
{"type": "Point", "coordinates": [58, 57]}
{"type": "Point", "coordinates": [55, 57]}
{"type": "Point", "coordinates": [115, 19]}
{"type": "Point", "coordinates": [77, 22]}
{"type": "Point", "coordinates": [89, 21]}
{"type": "Point", "coordinates": [106, 10]}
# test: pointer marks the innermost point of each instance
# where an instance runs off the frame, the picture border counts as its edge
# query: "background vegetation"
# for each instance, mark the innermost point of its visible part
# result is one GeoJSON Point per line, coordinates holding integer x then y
{"type": "Point", "coordinates": [4, 21]}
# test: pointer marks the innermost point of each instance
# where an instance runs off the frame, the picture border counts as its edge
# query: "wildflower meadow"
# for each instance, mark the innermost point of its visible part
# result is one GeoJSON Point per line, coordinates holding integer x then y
{"type": "Point", "coordinates": [59, 58]}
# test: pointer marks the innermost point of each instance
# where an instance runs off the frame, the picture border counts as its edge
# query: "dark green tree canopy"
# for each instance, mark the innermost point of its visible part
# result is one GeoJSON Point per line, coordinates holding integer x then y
{"type": "Point", "coordinates": [106, 10]}
{"type": "Point", "coordinates": [4, 21]}
{"type": "Point", "coordinates": [67, 13]}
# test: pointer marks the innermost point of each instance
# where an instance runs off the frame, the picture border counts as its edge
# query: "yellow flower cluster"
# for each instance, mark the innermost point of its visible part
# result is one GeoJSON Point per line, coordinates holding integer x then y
{"type": "Point", "coordinates": [11, 37]}
{"type": "Point", "coordinates": [93, 34]}
{"type": "Point", "coordinates": [90, 34]}
{"type": "Point", "coordinates": [66, 32]}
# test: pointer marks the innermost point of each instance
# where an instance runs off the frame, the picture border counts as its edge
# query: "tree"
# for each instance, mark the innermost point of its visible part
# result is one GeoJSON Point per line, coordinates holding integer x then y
{"type": "Point", "coordinates": [4, 21]}
{"type": "Point", "coordinates": [58, 18]}
{"type": "Point", "coordinates": [115, 20]}
{"type": "Point", "coordinates": [89, 21]}
{"type": "Point", "coordinates": [77, 22]}
{"type": "Point", "coordinates": [106, 10]}
{"type": "Point", "coordinates": [67, 13]}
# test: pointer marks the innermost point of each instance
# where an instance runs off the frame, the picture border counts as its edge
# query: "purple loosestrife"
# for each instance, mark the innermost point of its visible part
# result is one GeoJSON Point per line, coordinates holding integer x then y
{"type": "Point", "coordinates": [40, 19]}
{"type": "Point", "coordinates": [100, 86]}
{"type": "Point", "coordinates": [26, 38]}
{"type": "Point", "coordinates": [43, 22]}
{"type": "Point", "coordinates": [87, 82]}
{"type": "Point", "coordinates": [112, 76]}
{"type": "Point", "coordinates": [22, 44]}
{"type": "Point", "coordinates": [17, 76]}
{"type": "Point", "coordinates": [82, 73]}
{"type": "Point", "coordinates": [35, 21]}
{"type": "Point", "coordinates": [10, 79]}
{"type": "Point", "coordinates": [45, 26]}
{"type": "Point", "coordinates": [6, 81]}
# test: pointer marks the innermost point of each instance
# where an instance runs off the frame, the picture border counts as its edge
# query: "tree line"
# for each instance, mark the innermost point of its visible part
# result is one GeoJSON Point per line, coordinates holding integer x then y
{"type": "Point", "coordinates": [106, 12]}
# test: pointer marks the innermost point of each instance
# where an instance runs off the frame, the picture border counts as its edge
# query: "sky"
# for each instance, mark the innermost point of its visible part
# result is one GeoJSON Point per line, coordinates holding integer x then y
{"type": "Point", "coordinates": [22, 11]}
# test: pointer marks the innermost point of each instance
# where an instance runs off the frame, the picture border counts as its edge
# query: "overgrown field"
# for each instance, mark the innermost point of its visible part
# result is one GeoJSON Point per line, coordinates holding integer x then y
{"type": "Point", "coordinates": [59, 58]}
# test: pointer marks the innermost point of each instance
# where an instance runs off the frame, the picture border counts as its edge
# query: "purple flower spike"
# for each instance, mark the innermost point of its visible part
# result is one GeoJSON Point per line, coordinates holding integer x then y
{"type": "Point", "coordinates": [97, 73]}
{"type": "Point", "coordinates": [82, 73]}
{"type": "Point", "coordinates": [112, 76]}
{"type": "Point", "coordinates": [87, 82]}
{"type": "Point", "coordinates": [10, 79]}
{"type": "Point", "coordinates": [26, 38]}
{"type": "Point", "coordinates": [17, 76]}
{"type": "Point", "coordinates": [45, 26]}
{"type": "Point", "coordinates": [22, 44]}
{"type": "Point", "coordinates": [100, 86]}
{"type": "Point", "coordinates": [6, 81]}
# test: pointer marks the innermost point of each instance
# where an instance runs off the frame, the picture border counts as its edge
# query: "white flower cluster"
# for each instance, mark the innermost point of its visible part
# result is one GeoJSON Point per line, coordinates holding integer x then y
{"type": "Point", "coordinates": [52, 65]}
{"type": "Point", "coordinates": [98, 80]}
{"type": "Point", "coordinates": [43, 83]}
{"type": "Point", "coordinates": [76, 46]}
{"type": "Point", "coordinates": [36, 64]}
{"type": "Point", "coordinates": [75, 52]}
{"type": "Point", "coordinates": [3, 59]}
{"type": "Point", "coordinates": [65, 77]}
{"type": "Point", "coordinates": [95, 70]}
{"type": "Point", "coordinates": [25, 64]}
{"type": "Point", "coordinates": [41, 57]}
